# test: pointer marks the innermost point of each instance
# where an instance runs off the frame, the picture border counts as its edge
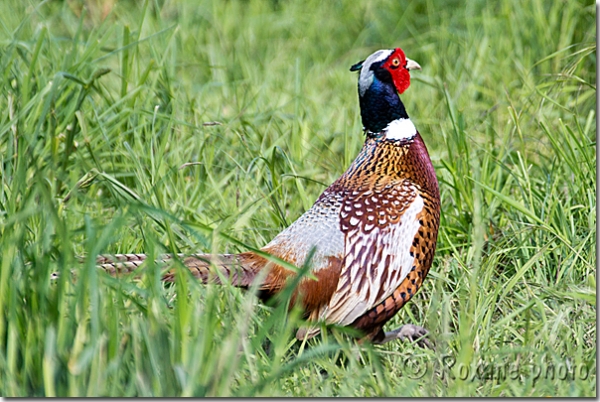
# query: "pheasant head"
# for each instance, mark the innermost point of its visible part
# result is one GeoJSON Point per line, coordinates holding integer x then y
{"type": "Point", "coordinates": [383, 76]}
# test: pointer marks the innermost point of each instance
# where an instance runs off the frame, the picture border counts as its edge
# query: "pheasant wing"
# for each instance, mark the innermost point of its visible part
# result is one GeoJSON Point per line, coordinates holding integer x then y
{"type": "Point", "coordinates": [379, 227]}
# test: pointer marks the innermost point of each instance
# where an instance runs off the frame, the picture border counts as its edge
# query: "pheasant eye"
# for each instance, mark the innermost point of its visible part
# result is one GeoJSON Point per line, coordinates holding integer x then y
{"type": "Point", "coordinates": [395, 63]}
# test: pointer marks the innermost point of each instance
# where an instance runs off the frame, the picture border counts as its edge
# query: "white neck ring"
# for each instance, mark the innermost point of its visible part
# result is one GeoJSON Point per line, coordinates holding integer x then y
{"type": "Point", "coordinates": [400, 129]}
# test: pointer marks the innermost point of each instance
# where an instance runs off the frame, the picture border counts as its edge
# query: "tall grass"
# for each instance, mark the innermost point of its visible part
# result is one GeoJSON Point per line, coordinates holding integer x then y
{"type": "Point", "coordinates": [185, 126]}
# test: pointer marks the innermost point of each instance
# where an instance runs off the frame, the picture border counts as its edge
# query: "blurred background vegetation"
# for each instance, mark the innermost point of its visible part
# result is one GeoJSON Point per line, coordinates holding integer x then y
{"type": "Point", "coordinates": [186, 126]}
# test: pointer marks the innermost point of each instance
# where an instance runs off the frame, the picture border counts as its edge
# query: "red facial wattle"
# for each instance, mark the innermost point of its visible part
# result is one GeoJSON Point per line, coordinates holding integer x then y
{"type": "Point", "coordinates": [396, 65]}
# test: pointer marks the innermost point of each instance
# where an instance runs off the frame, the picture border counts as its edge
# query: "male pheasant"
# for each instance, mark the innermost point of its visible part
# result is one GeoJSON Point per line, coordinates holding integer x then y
{"type": "Point", "coordinates": [374, 230]}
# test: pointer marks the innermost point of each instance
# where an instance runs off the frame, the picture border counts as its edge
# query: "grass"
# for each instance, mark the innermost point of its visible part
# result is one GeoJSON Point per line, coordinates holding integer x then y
{"type": "Point", "coordinates": [107, 146]}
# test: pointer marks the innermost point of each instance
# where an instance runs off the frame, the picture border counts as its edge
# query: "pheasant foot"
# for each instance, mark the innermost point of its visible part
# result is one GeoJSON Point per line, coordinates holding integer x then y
{"type": "Point", "coordinates": [413, 333]}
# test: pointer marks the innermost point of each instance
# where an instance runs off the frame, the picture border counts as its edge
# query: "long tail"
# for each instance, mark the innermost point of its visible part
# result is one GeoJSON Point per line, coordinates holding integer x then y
{"type": "Point", "coordinates": [239, 269]}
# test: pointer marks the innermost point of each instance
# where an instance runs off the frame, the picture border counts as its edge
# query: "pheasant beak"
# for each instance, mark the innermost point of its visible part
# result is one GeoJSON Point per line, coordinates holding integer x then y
{"type": "Point", "coordinates": [412, 65]}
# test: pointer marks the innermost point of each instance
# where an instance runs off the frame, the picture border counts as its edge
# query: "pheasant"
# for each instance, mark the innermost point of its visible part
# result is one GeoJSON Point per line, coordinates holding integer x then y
{"type": "Point", "coordinates": [371, 235]}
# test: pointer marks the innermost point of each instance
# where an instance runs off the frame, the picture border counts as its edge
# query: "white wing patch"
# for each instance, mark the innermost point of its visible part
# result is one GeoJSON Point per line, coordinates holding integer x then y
{"type": "Point", "coordinates": [364, 284]}
{"type": "Point", "coordinates": [318, 227]}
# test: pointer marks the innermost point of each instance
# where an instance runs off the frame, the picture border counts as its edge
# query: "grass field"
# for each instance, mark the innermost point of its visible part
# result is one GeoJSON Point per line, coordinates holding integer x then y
{"type": "Point", "coordinates": [108, 144]}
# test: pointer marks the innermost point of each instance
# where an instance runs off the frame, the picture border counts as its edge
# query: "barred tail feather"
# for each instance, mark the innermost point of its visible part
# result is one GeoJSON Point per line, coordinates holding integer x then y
{"type": "Point", "coordinates": [240, 269]}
